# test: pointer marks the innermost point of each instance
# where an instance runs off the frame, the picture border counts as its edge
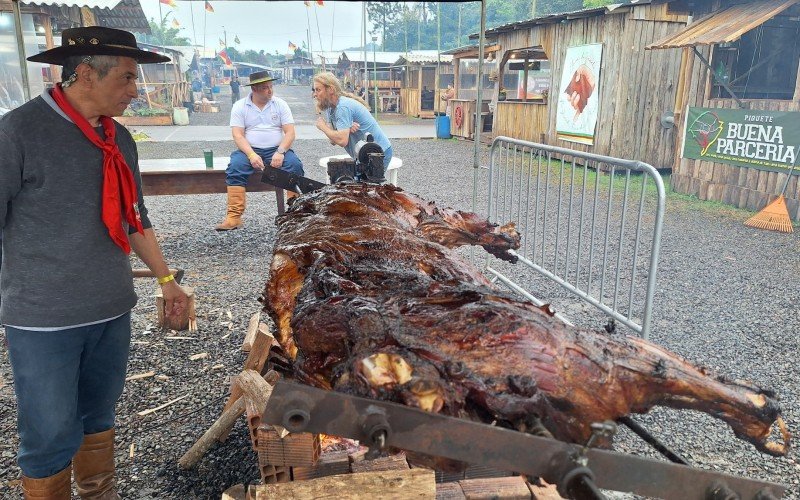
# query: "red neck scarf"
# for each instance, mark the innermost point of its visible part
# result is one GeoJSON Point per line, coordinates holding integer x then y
{"type": "Point", "coordinates": [119, 189]}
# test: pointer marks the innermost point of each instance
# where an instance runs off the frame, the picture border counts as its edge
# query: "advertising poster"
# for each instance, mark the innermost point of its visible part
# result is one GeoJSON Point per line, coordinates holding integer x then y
{"type": "Point", "coordinates": [578, 100]}
{"type": "Point", "coordinates": [748, 138]}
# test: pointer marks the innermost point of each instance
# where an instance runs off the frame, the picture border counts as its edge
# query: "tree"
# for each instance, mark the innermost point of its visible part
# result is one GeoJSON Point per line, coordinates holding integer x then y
{"type": "Point", "coordinates": [233, 54]}
{"type": "Point", "coordinates": [590, 4]}
{"type": "Point", "coordinates": [163, 34]}
{"type": "Point", "coordinates": [382, 14]}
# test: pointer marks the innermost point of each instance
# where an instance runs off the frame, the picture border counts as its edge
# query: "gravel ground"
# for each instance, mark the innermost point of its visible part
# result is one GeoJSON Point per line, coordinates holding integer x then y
{"type": "Point", "coordinates": [726, 298]}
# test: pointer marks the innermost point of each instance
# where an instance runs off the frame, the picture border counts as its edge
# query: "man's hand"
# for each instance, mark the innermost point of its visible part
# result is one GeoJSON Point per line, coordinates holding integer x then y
{"type": "Point", "coordinates": [256, 161]}
{"type": "Point", "coordinates": [175, 299]}
{"type": "Point", "coordinates": [354, 127]}
{"type": "Point", "coordinates": [277, 160]}
{"type": "Point", "coordinates": [321, 124]}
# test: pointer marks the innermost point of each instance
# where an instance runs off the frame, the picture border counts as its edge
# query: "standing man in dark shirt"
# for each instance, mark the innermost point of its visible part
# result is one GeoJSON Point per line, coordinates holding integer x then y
{"type": "Point", "coordinates": [235, 89]}
{"type": "Point", "coordinates": [71, 209]}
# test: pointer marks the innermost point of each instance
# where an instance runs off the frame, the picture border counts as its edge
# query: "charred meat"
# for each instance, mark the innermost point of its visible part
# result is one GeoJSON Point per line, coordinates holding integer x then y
{"type": "Point", "coordinates": [370, 297]}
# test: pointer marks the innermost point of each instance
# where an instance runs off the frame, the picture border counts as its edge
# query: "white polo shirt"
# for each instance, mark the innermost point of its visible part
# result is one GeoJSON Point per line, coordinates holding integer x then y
{"type": "Point", "coordinates": [263, 128]}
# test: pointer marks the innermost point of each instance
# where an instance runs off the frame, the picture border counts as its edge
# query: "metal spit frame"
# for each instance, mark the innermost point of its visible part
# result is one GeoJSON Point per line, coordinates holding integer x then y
{"type": "Point", "coordinates": [586, 236]}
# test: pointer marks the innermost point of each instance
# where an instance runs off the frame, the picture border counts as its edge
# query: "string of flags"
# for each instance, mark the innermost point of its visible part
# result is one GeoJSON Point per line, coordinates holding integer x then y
{"type": "Point", "coordinates": [236, 40]}
{"type": "Point", "coordinates": [175, 23]}
{"type": "Point", "coordinates": [171, 3]}
{"type": "Point", "coordinates": [292, 46]}
{"type": "Point", "coordinates": [209, 8]}
{"type": "Point", "coordinates": [307, 3]}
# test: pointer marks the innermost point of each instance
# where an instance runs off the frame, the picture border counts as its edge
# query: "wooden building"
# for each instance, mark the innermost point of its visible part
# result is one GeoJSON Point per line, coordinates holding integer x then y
{"type": "Point", "coordinates": [633, 90]}
{"type": "Point", "coordinates": [465, 79]}
{"type": "Point", "coordinates": [422, 83]}
{"type": "Point", "coordinates": [298, 70]}
{"type": "Point", "coordinates": [381, 74]}
{"type": "Point", "coordinates": [739, 63]}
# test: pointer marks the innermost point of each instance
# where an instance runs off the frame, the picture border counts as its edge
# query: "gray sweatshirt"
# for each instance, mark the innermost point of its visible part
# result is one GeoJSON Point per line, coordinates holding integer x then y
{"type": "Point", "coordinates": [60, 266]}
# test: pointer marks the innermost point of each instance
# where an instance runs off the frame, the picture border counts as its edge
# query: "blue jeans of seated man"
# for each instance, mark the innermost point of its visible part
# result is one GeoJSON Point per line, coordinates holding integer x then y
{"type": "Point", "coordinates": [67, 384]}
{"type": "Point", "coordinates": [239, 168]}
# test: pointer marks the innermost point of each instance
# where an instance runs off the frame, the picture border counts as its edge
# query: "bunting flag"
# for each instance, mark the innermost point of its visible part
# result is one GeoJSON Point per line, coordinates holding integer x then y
{"type": "Point", "coordinates": [320, 3]}
{"type": "Point", "coordinates": [221, 43]}
{"type": "Point", "coordinates": [223, 54]}
{"type": "Point", "coordinates": [171, 3]}
{"type": "Point", "coordinates": [307, 3]}
{"type": "Point", "coordinates": [236, 40]}
{"type": "Point", "coordinates": [209, 8]}
{"type": "Point", "coordinates": [292, 46]}
{"type": "Point", "coordinates": [175, 23]}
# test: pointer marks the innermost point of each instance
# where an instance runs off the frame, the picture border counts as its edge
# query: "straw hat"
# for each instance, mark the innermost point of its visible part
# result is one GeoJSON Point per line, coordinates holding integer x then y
{"type": "Point", "coordinates": [96, 40]}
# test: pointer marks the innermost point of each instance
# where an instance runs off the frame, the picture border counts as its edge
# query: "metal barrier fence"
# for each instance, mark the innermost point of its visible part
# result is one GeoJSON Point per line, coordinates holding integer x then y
{"type": "Point", "coordinates": [583, 225]}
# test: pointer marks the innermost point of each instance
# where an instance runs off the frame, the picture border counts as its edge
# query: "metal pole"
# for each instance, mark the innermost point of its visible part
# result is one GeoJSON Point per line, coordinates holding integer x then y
{"type": "Point", "coordinates": [23, 64]}
{"type": "Point", "coordinates": [478, 105]}
{"type": "Point", "coordinates": [375, 76]}
{"type": "Point", "coordinates": [364, 29]}
{"type": "Point", "coordinates": [437, 82]}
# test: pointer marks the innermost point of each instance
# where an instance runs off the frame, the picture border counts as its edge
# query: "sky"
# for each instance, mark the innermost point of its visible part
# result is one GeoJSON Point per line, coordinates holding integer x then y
{"type": "Point", "coordinates": [265, 25]}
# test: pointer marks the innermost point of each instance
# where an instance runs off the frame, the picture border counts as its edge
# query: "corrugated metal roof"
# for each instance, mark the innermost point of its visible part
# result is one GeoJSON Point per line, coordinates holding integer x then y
{"type": "Point", "coordinates": [423, 58]}
{"type": "Point", "coordinates": [357, 56]}
{"type": "Point", "coordinates": [725, 25]}
{"type": "Point", "coordinates": [128, 15]}
{"type": "Point", "coordinates": [553, 18]}
{"type": "Point", "coordinates": [96, 4]}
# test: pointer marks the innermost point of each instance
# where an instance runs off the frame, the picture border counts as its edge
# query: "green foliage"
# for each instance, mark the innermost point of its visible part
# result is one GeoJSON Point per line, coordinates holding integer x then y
{"type": "Point", "coordinates": [414, 26]}
{"type": "Point", "coordinates": [382, 14]}
{"type": "Point", "coordinates": [591, 4]}
{"type": "Point", "coordinates": [163, 33]}
{"type": "Point", "coordinates": [146, 112]}
{"type": "Point", "coordinates": [140, 136]}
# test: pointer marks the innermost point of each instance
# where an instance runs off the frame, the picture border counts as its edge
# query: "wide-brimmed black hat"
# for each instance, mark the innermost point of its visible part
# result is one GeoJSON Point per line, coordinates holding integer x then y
{"type": "Point", "coordinates": [260, 77]}
{"type": "Point", "coordinates": [96, 40]}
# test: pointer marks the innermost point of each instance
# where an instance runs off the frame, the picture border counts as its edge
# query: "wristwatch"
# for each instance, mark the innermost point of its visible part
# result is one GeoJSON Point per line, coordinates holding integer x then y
{"type": "Point", "coordinates": [281, 150]}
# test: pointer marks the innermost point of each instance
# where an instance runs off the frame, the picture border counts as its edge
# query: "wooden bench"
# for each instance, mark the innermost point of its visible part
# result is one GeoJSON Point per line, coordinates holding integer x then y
{"type": "Point", "coordinates": [183, 179]}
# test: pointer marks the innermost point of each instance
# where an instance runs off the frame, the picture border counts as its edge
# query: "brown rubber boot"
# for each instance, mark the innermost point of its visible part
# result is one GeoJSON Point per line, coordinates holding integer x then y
{"type": "Point", "coordinates": [55, 487]}
{"type": "Point", "coordinates": [236, 204]}
{"type": "Point", "coordinates": [94, 467]}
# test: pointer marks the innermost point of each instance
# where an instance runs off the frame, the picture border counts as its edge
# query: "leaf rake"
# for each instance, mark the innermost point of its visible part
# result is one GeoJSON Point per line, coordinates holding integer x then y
{"type": "Point", "coordinates": [775, 216]}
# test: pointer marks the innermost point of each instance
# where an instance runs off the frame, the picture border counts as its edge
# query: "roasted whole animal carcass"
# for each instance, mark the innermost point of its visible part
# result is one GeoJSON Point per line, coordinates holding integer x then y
{"type": "Point", "coordinates": [370, 298]}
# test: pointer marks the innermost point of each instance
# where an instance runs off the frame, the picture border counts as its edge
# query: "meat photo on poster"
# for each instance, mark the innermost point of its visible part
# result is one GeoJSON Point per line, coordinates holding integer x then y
{"type": "Point", "coordinates": [579, 80]}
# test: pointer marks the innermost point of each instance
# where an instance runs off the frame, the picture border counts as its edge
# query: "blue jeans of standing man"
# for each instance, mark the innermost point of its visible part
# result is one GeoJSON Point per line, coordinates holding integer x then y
{"type": "Point", "coordinates": [239, 168]}
{"type": "Point", "coordinates": [67, 384]}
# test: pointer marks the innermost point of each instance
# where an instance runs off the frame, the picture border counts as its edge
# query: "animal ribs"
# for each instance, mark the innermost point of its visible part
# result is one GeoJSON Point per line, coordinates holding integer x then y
{"type": "Point", "coordinates": [371, 298]}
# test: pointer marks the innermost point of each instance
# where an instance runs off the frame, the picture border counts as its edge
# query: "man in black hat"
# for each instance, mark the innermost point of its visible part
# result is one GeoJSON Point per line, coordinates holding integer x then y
{"type": "Point", "coordinates": [71, 209]}
{"type": "Point", "coordinates": [263, 130]}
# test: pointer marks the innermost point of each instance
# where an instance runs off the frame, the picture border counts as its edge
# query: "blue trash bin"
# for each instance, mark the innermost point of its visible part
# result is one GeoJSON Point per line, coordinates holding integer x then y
{"type": "Point", "coordinates": [443, 127]}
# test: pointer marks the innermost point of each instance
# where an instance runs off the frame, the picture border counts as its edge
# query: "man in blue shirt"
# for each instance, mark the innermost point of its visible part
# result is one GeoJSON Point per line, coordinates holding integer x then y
{"type": "Point", "coordinates": [345, 118]}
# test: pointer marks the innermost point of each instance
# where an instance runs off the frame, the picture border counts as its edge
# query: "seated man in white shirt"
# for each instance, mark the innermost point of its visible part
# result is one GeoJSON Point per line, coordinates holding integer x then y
{"type": "Point", "coordinates": [263, 129]}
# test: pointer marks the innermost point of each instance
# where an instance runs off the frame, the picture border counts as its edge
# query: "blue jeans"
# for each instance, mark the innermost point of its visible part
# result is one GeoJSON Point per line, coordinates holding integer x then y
{"type": "Point", "coordinates": [239, 168]}
{"type": "Point", "coordinates": [67, 384]}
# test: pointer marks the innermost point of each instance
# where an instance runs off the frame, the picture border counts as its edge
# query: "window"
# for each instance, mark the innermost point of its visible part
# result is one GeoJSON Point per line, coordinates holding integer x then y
{"type": "Point", "coordinates": [446, 79]}
{"type": "Point", "coordinates": [533, 63]}
{"type": "Point", "coordinates": [762, 64]}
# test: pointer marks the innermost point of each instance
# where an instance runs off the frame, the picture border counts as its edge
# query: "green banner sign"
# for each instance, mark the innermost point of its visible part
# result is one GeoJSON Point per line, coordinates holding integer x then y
{"type": "Point", "coordinates": [747, 138]}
